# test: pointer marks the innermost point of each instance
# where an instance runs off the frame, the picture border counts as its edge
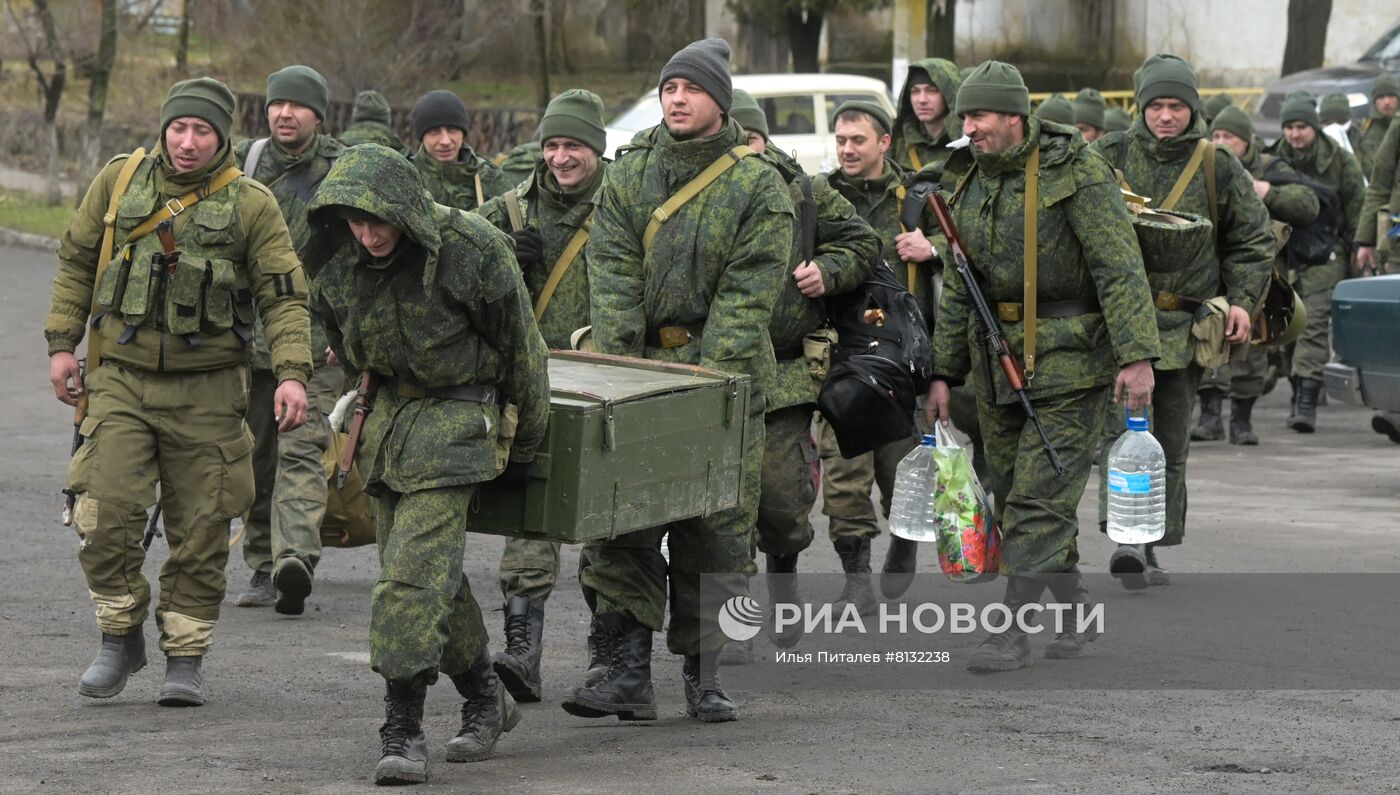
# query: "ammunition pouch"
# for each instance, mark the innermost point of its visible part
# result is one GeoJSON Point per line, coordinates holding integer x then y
{"type": "Point", "coordinates": [816, 351]}
{"type": "Point", "coordinates": [674, 336]}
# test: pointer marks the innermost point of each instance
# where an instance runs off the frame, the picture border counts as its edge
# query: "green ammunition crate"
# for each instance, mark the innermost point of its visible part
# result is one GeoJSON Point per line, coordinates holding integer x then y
{"type": "Point", "coordinates": [631, 444]}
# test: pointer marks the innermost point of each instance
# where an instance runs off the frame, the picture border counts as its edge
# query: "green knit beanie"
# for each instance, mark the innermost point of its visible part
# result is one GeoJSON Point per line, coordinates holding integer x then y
{"type": "Point", "coordinates": [1089, 108]}
{"type": "Point", "coordinates": [577, 114]}
{"type": "Point", "coordinates": [1385, 85]}
{"type": "Point", "coordinates": [1117, 120]}
{"type": "Point", "coordinates": [300, 84]}
{"type": "Point", "coordinates": [1057, 109]}
{"type": "Point", "coordinates": [994, 86]}
{"type": "Point", "coordinates": [1335, 108]}
{"type": "Point", "coordinates": [370, 106]}
{"type": "Point", "coordinates": [1216, 104]}
{"type": "Point", "coordinates": [883, 124]}
{"type": "Point", "coordinates": [1233, 119]}
{"type": "Point", "coordinates": [202, 97]}
{"type": "Point", "coordinates": [1166, 75]}
{"type": "Point", "coordinates": [745, 110]}
{"type": "Point", "coordinates": [1300, 106]}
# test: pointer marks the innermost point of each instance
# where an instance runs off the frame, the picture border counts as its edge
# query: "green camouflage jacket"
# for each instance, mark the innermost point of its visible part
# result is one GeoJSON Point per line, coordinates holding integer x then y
{"type": "Point", "coordinates": [1336, 168]}
{"type": "Point", "coordinates": [1384, 190]}
{"type": "Point", "coordinates": [719, 261]}
{"type": "Point", "coordinates": [1372, 131]}
{"type": "Point", "coordinates": [454, 184]}
{"type": "Point", "coordinates": [371, 132]}
{"type": "Point", "coordinates": [557, 217]}
{"type": "Point", "coordinates": [1295, 205]}
{"type": "Point", "coordinates": [1244, 244]}
{"type": "Point", "coordinates": [446, 308]}
{"type": "Point", "coordinates": [908, 140]}
{"type": "Point", "coordinates": [520, 162]}
{"type": "Point", "coordinates": [1087, 249]}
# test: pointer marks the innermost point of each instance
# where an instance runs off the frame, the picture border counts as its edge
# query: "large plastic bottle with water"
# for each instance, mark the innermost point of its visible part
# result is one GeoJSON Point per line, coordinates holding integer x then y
{"type": "Point", "coordinates": [911, 507]}
{"type": "Point", "coordinates": [1137, 486]}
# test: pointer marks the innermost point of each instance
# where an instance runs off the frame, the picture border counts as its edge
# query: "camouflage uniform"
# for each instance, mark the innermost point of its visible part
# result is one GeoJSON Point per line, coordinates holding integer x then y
{"type": "Point", "coordinates": [1383, 191]}
{"type": "Point", "coordinates": [454, 184]}
{"type": "Point", "coordinates": [1371, 132]}
{"type": "Point", "coordinates": [1087, 249]}
{"type": "Point", "coordinates": [519, 163]}
{"type": "Point", "coordinates": [716, 265]}
{"type": "Point", "coordinates": [910, 146]}
{"type": "Point", "coordinates": [370, 123]}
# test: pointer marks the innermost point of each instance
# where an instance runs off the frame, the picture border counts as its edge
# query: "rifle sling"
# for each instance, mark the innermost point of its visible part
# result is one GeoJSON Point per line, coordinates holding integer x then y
{"type": "Point", "coordinates": [690, 190]}
{"type": "Point", "coordinates": [174, 207]}
{"type": "Point", "coordinates": [104, 256]}
{"type": "Point", "coordinates": [1031, 245]}
{"type": "Point", "coordinates": [561, 265]}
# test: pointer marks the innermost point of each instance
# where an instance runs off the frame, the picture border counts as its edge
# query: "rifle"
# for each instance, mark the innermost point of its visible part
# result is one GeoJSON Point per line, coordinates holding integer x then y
{"type": "Point", "coordinates": [151, 530]}
{"type": "Point", "coordinates": [990, 328]}
{"type": "Point", "coordinates": [70, 497]}
{"type": "Point", "coordinates": [364, 393]}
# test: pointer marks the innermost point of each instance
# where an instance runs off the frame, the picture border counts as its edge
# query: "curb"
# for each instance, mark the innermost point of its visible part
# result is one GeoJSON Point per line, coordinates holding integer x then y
{"type": "Point", "coordinates": [14, 237]}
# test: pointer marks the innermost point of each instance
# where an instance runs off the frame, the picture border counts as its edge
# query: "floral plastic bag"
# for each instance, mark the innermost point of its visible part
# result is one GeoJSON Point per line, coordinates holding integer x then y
{"type": "Point", "coordinates": [969, 542]}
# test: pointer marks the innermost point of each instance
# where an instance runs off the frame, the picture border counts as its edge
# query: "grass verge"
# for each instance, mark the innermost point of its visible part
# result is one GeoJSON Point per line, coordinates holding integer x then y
{"type": "Point", "coordinates": [27, 212]}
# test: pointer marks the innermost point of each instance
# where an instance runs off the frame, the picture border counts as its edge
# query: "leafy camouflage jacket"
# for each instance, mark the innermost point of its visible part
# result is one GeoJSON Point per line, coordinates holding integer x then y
{"type": "Point", "coordinates": [454, 184]}
{"type": "Point", "coordinates": [1384, 190]}
{"type": "Point", "coordinates": [446, 308]}
{"type": "Point", "coordinates": [1295, 205]}
{"type": "Point", "coordinates": [371, 132]}
{"type": "Point", "coordinates": [1371, 134]}
{"type": "Point", "coordinates": [910, 146]}
{"type": "Point", "coordinates": [718, 262]}
{"type": "Point", "coordinates": [557, 217]}
{"type": "Point", "coordinates": [1087, 250]}
{"type": "Point", "coordinates": [1336, 168]}
{"type": "Point", "coordinates": [520, 162]}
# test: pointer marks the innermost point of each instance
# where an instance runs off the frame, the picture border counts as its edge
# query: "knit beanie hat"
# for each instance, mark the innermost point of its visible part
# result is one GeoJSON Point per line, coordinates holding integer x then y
{"type": "Point", "coordinates": [1300, 106]}
{"type": "Point", "coordinates": [577, 114]}
{"type": "Point", "coordinates": [1165, 75]}
{"type": "Point", "coordinates": [1089, 108]}
{"type": "Point", "coordinates": [1216, 104]}
{"type": "Point", "coordinates": [439, 109]}
{"type": "Point", "coordinates": [300, 84]}
{"type": "Point", "coordinates": [1385, 85]}
{"type": "Point", "coordinates": [202, 97]}
{"type": "Point", "coordinates": [996, 87]}
{"type": "Point", "coordinates": [884, 125]}
{"type": "Point", "coordinates": [1233, 119]}
{"type": "Point", "coordinates": [1334, 109]}
{"type": "Point", "coordinates": [1057, 109]}
{"type": "Point", "coordinates": [746, 111]}
{"type": "Point", "coordinates": [1116, 120]}
{"type": "Point", "coordinates": [705, 63]}
{"type": "Point", "coordinates": [370, 106]}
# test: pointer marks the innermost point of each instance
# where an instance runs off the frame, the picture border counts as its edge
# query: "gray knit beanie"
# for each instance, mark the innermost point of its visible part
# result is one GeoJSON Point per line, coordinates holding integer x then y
{"type": "Point", "coordinates": [705, 63]}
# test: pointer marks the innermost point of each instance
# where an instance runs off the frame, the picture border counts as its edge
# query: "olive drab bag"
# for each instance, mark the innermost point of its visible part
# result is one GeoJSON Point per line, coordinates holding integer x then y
{"type": "Point", "coordinates": [349, 519]}
{"type": "Point", "coordinates": [1315, 243]}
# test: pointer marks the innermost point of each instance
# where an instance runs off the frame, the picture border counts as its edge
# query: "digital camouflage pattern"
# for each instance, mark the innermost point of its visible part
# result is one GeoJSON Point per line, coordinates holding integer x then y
{"type": "Point", "coordinates": [910, 145]}
{"type": "Point", "coordinates": [371, 132]}
{"type": "Point", "coordinates": [1383, 190]}
{"type": "Point", "coordinates": [1372, 131]}
{"type": "Point", "coordinates": [454, 184]}
{"type": "Point", "coordinates": [787, 492]}
{"type": "Point", "coordinates": [519, 163]}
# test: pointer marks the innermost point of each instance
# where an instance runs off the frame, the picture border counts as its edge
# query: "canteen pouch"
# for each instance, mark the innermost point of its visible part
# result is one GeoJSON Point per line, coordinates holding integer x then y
{"type": "Point", "coordinates": [816, 352]}
{"type": "Point", "coordinates": [137, 294]}
{"type": "Point", "coordinates": [219, 298]}
{"type": "Point", "coordinates": [185, 297]}
{"type": "Point", "coordinates": [113, 287]}
{"type": "Point", "coordinates": [505, 435]}
{"type": "Point", "coordinates": [1208, 346]}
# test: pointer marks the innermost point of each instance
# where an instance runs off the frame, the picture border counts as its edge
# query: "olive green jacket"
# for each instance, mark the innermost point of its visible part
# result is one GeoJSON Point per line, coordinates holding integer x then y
{"type": "Point", "coordinates": [1292, 204]}
{"type": "Point", "coordinates": [520, 162]}
{"type": "Point", "coordinates": [454, 184]}
{"type": "Point", "coordinates": [1372, 131]}
{"type": "Point", "coordinates": [1384, 190]}
{"type": "Point", "coordinates": [1338, 169]}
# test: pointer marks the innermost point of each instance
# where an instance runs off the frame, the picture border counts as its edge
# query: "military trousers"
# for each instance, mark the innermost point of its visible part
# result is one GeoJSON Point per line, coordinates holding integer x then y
{"type": "Point", "coordinates": [291, 482]}
{"type": "Point", "coordinates": [1173, 401]}
{"type": "Point", "coordinates": [185, 432]}
{"type": "Point", "coordinates": [847, 484]}
{"type": "Point", "coordinates": [1242, 379]}
{"type": "Point", "coordinates": [1313, 349]}
{"type": "Point", "coordinates": [529, 567]}
{"type": "Point", "coordinates": [788, 491]}
{"type": "Point", "coordinates": [423, 617]}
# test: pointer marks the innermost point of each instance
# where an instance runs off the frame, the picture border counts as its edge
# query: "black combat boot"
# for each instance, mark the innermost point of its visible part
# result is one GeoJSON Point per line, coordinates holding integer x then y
{"type": "Point", "coordinates": [519, 665]}
{"type": "Point", "coordinates": [898, 572]}
{"type": "Point", "coordinates": [1069, 589]}
{"type": "Point", "coordinates": [404, 749]}
{"type": "Point", "coordinates": [625, 691]}
{"type": "Point", "coordinates": [260, 593]}
{"type": "Point", "coordinates": [487, 713]}
{"type": "Point", "coordinates": [120, 657]}
{"type": "Point", "coordinates": [705, 699]}
{"type": "Point", "coordinates": [597, 654]}
{"type": "Point", "coordinates": [783, 589]}
{"type": "Point", "coordinates": [1304, 416]}
{"type": "Point", "coordinates": [1209, 428]}
{"type": "Point", "coordinates": [184, 684]}
{"type": "Point", "coordinates": [1128, 565]}
{"type": "Point", "coordinates": [1241, 431]}
{"type": "Point", "coordinates": [1156, 575]}
{"type": "Point", "coordinates": [292, 579]}
{"type": "Point", "coordinates": [1011, 648]}
{"type": "Point", "coordinates": [855, 561]}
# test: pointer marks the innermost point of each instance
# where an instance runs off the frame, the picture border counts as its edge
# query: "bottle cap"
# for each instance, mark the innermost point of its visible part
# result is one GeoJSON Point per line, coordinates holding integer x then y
{"type": "Point", "coordinates": [930, 440]}
{"type": "Point", "coordinates": [1137, 423]}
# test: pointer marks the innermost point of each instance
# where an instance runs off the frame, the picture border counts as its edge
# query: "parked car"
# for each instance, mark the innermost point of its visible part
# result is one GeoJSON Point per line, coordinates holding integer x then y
{"type": "Point", "coordinates": [1365, 327]}
{"type": "Point", "coordinates": [799, 109]}
{"type": "Point", "coordinates": [1354, 80]}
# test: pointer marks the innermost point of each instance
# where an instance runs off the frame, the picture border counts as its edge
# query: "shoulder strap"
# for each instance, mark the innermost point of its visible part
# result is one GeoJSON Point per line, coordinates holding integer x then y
{"type": "Point", "coordinates": [104, 254]}
{"type": "Point", "coordinates": [914, 158]}
{"type": "Point", "coordinates": [690, 190]}
{"type": "Point", "coordinates": [480, 194]}
{"type": "Point", "coordinates": [809, 218]}
{"type": "Point", "coordinates": [1187, 173]}
{"type": "Point", "coordinates": [1031, 248]}
{"type": "Point", "coordinates": [1210, 182]}
{"type": "Point", "coordinates": [255, 152]}
{"type": "Point", "coordinates": [911, 269]}
{"type": "Point", "coordinates": [561, 266]}
{"type": "Point", "coordinates": [517, 221]}
{"type": "Point", "coordinates": [962, 185]}
{"type": "Point", "coordinates": [174, 207]}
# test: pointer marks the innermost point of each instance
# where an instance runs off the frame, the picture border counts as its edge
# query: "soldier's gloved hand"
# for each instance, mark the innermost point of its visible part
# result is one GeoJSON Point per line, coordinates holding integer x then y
{"type": "Point", "coordinates": [529, 246]}
{"type": "Point", "coordinates": [516, 474]}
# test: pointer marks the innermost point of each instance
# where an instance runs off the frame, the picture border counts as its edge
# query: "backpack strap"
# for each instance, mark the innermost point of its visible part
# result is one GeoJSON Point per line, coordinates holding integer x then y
{"type": "Point", "coordinates": [1179, 188]}
{"type": "Point", "coordinates": [517, 220]}
{"type": "Point", "coordinates": [561, 265]}
{"type": "Point", "coordinates": [911, 269]}
{"type": "Point", "coordinates": [480, 194]}
{"type": "Point", "coordinates": [174, 207]}
{"type": "Point", "coordinates": [254, 156]}
{"type": "Point", "coordinates": [1031, 249]}
{"type": "Point", "coordinates": [1210, 182]}
{"type": "Point", "coordinates": [104, 254]}
{"type": "Point", "coordinates": [690, 190]}
{"type": "Point", "coordinates": [914, 158]}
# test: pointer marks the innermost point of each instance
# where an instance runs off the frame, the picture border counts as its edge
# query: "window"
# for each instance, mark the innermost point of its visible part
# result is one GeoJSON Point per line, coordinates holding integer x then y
{"type": "Point", "coordinates": [834, 101]}
{"type": "Point", "coordinates": [789, 115]}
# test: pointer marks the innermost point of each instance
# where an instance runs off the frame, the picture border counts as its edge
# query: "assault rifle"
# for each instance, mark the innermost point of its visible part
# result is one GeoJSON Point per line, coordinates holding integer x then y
{"type": "Point", "coordinates": [364, 393]}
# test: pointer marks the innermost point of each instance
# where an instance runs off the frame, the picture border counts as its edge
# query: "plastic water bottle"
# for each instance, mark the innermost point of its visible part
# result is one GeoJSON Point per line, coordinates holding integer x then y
{"type": "Point", "coordinates": [1137, 486]}
{"type": "Point", "coordinates": [911, 507]}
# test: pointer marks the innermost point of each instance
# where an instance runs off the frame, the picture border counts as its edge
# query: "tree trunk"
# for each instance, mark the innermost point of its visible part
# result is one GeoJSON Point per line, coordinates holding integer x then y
{"type": "Point", "coordinates": [97, 90]}
{"type": "Point", "coordinates": [1307, 34]}
{"type": "Point", "coordinates": [52, 86]}
{"type": "Point", "coordinates": [939, 38]}
{"type": "Point", "coordinates": [540, 10]}
{"type": "Point", "coordinates": [182, 44]}
{"type": "Point", "coordinates": [804, 33]}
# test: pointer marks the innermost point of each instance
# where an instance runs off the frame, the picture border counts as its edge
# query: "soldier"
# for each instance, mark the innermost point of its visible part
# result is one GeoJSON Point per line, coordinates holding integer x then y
{"type": "Point", "coordinates": [1385, 99]}
{"type": "Point", "coordinates": [1313, 154]}
{"type": "Point", "coordinates": [1292, 204]}
{"type": "Point", "coordinates": [282, 537]}
{"type": "Point", "coordinates": [519, 163]}
{"type": "Point", "coordinates": [454, 174]}
{"type": "Point", "coordinates": [1090, 279]}
{"type": "Point", "coordinates": [371, 123]}
{"type": "Point", "coordinates": [698, 289]}
{"type": "Point", "coordinates": [1383, 193]}
{"type": "Point", "coordinates": [919, 135]}
{"type": "Point", "coordinates": [1154, 157]}
{"type": "Point", "coordinates": [1057, 109]}
{"type": "Point", "coordinates": [1116, 120]}
{"type": "Point", "coordinates": [555, 209]}
{"type": "Point", "coordinates": [1089, 110]}
{"type": "Point", "coordinates": [1214, 105]}
{"type": "Point", "coordinates": [389, 260]}
{"type": "Point", "coordinates": [166, 403]}
{"type": "Point", "coordinates": [844, 247]}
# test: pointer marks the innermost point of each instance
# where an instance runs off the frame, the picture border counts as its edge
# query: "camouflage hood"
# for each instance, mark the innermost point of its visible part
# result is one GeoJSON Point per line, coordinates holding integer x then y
{"type": "Point", "coordinates": [1058, 144]}
{"type": "Point", "coordinates": [944, 75]}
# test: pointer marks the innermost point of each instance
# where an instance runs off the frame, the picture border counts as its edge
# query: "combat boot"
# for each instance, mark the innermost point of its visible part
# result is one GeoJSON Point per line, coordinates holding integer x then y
{"type": "Point", "coordinates": [292, 581]}
{"type": "Point", "coordinates": [1009, 649]}
{"type": "Point", "coordinates": [783, 589]}
{"type": "Point", "coordinates": [519, 665]}
{"type": "Point", "coordinates": [487, 712]}
{"type": "Point", "coordinates": [260, 593]}
{"type": "Point", "coordinates": [1209, 428]}
{"type": "Point", "coordinates": [1128, 565]}
{"type": "Point", "coordinates": [855, 561]}
{"type": "Point", "coordinates": [1304, 416]}
{"type": "Point", "coordinates": [184, 684]}
{"type": "Point", "coordinates": [705, 699]}
{"type": "Point", "coordinates": [120, 657]}
{"type": "Point", "coordinates": [898, 572]}
{"type": "Point", "coordinates": [1385, 423]}
{"type": "Point", "coordinates": [1069, 589]}
{"type": "Point", "coordinates": [738, 652]}
{"type": "Point", "coordinates": [597, 654]}
{"type": "Point", "coordinates": [404, 750]}
{"type": "Point", "coordinates": [1156, 575]}
{"type": "Point", "coordinates": [625, 690]}
{"type": "Point", "coordinates": [1241, 431]}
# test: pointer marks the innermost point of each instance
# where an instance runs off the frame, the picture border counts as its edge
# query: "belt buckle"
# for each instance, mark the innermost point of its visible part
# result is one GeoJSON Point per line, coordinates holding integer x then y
{"type": "Point", "coordinates": [673, 336]}
{"type": "Point", "coordinates": [1009, 313]}
{"type": "Point", "coordinates": [177, 209]}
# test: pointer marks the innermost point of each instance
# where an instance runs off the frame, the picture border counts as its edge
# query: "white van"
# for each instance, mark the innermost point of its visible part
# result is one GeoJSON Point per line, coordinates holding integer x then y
{"type": "Point", "coordinates": [799, 110]}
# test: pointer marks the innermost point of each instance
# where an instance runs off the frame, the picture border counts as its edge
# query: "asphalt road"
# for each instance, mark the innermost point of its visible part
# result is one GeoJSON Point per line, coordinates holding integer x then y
{"type": "Point", "coordinates": [293, 707]}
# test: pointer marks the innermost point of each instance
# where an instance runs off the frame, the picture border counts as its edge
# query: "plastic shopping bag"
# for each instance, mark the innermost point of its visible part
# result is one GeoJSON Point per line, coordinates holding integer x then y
{"type": "Point", "coordinates": [969, 542]}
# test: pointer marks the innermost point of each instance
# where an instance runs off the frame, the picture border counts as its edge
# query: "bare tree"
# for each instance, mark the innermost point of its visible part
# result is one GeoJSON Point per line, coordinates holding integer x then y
{"type": "Point", "coordinates": [182, 43]}
{"type": "Point", "coordinates": [50, 85]}
{"type": "Point", "coordinates": [1307, 34]}
{"type": "Point", "coordinates": [800, 20]}
{"type": "Point", "coordinates": [101, 76]}
{"type": "Point", "coordinates": [539, 9]}
{"type": "Point", "coordinates": [939, 38]}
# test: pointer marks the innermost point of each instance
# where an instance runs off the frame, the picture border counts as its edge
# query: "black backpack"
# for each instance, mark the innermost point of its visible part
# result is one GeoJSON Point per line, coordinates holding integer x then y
{"type": "Point", "coordinates": [1312, 244]}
